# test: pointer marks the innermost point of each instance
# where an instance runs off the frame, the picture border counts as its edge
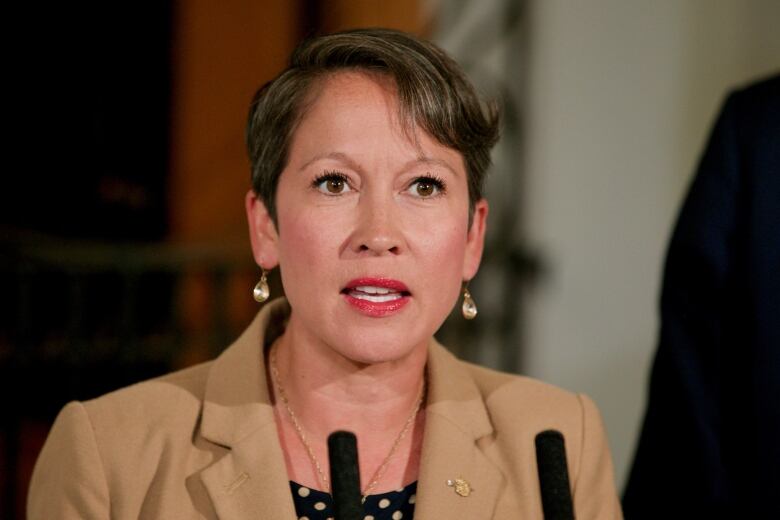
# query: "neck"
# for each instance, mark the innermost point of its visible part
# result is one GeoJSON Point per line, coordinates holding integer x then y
{"type": "Point", "coordinates": [328, 392]}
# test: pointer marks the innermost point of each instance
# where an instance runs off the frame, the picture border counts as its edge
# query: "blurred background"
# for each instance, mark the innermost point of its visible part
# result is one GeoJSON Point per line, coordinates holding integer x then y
{"type": "Point", "coordinates": [124, 250]}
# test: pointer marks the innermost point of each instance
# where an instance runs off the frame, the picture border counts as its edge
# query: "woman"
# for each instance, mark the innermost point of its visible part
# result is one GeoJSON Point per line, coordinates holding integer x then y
{"type": "Point", "coordinates": [368, 154]}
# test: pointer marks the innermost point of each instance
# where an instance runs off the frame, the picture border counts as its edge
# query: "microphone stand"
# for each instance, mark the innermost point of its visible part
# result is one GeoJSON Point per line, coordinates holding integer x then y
{"type": "Point", "coordinates": [345, 476]}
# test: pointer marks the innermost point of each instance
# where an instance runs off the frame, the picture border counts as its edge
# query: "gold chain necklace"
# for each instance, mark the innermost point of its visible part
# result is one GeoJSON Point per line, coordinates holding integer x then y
{"type": "Point", "coordinates": [379, 473]}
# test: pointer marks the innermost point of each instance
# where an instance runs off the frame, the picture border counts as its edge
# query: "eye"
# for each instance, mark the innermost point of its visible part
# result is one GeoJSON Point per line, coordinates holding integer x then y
{"type": "Point", "coordinates": [427, 187]}
{"type": "Point", "coordinates": [332, 183]}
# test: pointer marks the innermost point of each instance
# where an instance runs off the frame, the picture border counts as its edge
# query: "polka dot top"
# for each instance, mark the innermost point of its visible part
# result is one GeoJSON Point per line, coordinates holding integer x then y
{"type": "Point", "coordinates": [311, 504]}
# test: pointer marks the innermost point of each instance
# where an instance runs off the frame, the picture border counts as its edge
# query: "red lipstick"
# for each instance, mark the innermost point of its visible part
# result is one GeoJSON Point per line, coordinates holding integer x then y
{"type": "Point", "coordinates": [376, 297]}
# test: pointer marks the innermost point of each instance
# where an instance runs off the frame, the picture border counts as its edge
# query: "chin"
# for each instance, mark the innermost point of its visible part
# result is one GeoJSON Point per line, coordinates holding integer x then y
{"type": "Point", "coordinates": [368, 349]}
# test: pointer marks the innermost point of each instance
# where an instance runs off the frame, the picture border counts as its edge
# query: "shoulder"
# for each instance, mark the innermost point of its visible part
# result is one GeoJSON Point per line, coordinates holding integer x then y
{"type": "Point", "coordinates": [754, 110]}
{"type": "Point", "coordinates": [511, 401]}
{"type": "Point", "coordinates": [521, 406]}
{"type": "Point", "coordinates": [758, 95]}
{"type": "Point", "coordinates": [173, 390]}
{"type": "Point", "coordinates": [163, 399]}
{"type": "Point", "coordinates": [140, 416]}
{"type": "Point", "coordinates": [502, 390]}
{"type": "Point", "coordinates": [115, 441]}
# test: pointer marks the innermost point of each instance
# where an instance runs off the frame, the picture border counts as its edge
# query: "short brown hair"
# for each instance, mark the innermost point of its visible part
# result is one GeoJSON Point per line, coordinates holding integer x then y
{"type": "Point", "coordinates": [433, 93]}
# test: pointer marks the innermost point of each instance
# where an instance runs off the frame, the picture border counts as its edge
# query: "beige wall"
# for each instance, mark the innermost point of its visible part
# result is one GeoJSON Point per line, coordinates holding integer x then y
{"type": "Point", "coordinates": [622, 95]}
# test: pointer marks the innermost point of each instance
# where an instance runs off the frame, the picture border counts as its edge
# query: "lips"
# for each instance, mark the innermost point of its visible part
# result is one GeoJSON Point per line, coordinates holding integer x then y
{"type": "Point", "coordinates": [376, 297]}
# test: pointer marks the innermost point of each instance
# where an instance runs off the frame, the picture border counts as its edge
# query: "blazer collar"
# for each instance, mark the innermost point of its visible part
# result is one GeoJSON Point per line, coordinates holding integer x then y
{"type": "Point", "coordinates": [457, 428]}
{"type": "Point", "coordinates": [237, 414]}
{"type": "Point", "coordinates": [247, 482]}
{"type": "Point", "coordinates": [236, 400]}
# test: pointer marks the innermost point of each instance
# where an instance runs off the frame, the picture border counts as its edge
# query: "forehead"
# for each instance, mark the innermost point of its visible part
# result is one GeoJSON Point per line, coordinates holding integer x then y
{"type": "Point", "coordinates": [340, 94]}
{"type": "Point", "coordinates": [357, 112]}
{"type": "Point", "coordinates": [346, 83]}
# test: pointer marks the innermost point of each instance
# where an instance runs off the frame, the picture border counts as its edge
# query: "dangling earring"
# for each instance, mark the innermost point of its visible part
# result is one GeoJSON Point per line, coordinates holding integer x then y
{"type": "Point", "coordinates": [261, 292]}
{"type": "Point", "coordinates": [469, 308]}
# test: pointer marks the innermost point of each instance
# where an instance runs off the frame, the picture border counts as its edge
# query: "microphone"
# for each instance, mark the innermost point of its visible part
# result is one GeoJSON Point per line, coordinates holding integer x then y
{"type": "Point", "coordinates": [345, 475]}
{"type": "Point", "coordinates": [553, 476]}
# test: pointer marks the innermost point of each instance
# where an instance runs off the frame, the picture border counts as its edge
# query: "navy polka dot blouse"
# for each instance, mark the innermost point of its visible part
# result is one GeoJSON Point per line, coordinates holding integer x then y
{"type": "Point", "coordinates": [311, 504]}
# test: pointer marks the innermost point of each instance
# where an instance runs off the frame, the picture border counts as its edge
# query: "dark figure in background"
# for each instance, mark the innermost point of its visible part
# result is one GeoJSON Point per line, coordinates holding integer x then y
{"type": "Point", "coordinates": [710, 446]}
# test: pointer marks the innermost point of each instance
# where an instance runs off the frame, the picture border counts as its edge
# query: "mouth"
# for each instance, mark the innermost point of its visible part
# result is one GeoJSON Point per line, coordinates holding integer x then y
{"type": "Point", "coordinates": [376, 289]}
{"type": "Point", "coordinates": [376, 296]}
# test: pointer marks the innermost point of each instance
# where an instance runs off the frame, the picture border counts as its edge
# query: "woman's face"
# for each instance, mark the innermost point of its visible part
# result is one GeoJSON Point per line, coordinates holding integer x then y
{"type": "Point", "coordinates": [373, 238]}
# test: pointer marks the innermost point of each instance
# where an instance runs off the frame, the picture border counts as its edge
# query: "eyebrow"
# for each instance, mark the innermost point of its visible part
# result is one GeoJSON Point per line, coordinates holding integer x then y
{"type": "Point", "coordinates": [340, 156]}
{"type": "Point", "coordinates": [424, 160]}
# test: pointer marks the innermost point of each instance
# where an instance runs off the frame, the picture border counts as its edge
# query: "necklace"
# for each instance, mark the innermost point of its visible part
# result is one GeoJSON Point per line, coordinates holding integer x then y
{"type": "Point", "coordinates": [380, 471]}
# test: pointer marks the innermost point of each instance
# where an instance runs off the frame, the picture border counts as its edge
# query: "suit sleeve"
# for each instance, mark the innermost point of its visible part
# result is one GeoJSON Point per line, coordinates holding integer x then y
{"type": "Point", "coordinates": [678, 461]}
{"type": "Point", "coordinates": [68, 481]}
{"type": "Point", "coordinates": [595, 495]}
{"type": "Point", "coordinates": [709, 444]}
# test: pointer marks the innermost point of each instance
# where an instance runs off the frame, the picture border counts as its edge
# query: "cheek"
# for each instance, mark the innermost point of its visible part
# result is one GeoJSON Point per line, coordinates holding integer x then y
{"type": "Point", "coordinates": [446, 230]}
{"type": "Point", "coordinates": [307, 241]}
{"type": "Point", "coordinates": [441, 250]}
{"type": "Point", "coordinates": [447, 248]}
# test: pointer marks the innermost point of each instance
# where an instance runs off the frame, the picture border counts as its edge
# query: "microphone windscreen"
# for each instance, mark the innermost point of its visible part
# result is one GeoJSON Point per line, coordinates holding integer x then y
{"type": "Point", "coordinates": [553, 476]}
{"type": "Point", "coordinates": [345, 476]}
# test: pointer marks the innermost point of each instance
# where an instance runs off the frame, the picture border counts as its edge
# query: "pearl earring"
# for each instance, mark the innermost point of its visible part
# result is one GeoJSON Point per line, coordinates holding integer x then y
{"type": "Point", "coordinates": [261, 292]}
{"type": "Point", "coordinates": [469, 308]}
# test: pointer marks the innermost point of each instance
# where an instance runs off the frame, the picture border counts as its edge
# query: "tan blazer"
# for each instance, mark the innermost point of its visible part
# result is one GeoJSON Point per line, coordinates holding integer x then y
{"type": "Point", "coordinates": [202, 443]}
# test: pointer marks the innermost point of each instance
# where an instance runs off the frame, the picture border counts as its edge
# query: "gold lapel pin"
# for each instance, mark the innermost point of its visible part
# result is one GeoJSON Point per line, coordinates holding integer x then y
{"type": "Point", "coordinates": [461, 486]}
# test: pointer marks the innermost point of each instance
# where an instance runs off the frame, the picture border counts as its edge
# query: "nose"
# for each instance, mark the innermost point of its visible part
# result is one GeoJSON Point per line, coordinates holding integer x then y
{"type": "Point", "coordinates": [377, 232]}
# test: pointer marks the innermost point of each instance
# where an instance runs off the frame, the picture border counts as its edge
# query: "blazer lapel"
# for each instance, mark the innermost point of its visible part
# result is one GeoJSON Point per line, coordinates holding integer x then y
{"type": "Point", "coordinates": [456, 426]}
{"type": "Point", "coordinates": [249, 481]}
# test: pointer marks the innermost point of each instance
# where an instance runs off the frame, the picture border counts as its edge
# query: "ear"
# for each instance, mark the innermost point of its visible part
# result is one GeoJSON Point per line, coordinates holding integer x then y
{"type": "Point", "coordinates": [475, 241]}
{"type": "Point", "coordinates": [262, 232]}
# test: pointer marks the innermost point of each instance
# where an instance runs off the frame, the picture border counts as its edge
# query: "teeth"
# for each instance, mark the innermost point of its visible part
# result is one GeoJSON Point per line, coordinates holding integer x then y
{"type": "Point", "coordinates": [378, 298]}
{"type": "Point", "coordinates": [370, 289]}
